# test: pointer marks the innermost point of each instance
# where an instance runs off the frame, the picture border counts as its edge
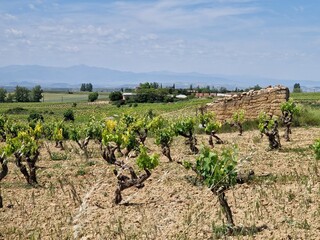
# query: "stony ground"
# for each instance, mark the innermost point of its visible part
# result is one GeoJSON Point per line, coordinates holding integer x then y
{"type": "Point", "coordinates": [75, 199]}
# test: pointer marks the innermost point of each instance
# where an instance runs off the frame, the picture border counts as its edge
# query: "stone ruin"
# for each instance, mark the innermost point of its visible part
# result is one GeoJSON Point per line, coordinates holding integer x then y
{"type": "Point", "coordinates": [267, 100]}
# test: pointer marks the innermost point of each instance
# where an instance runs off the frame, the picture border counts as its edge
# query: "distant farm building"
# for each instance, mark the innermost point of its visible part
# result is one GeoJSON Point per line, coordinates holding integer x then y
{"type": "Point", "coordinates": [127, 96]}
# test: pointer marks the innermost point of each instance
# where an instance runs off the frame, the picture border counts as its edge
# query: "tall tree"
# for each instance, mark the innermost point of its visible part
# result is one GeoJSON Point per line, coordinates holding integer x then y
{"type": "Point", "coordinates": [3, 94]}
{"type": "Point", "coordinates": [36, 94]}
{"type": "Point", "coordinates": [297, 88]}
{"type": "Point", "coordinates": [22, 94]}
{"type": "Point", "coordinates": [89, 87]}
{"type": "Point", "coordinates": [83, 87]}
{"type": "Point", "coordinates": [86, 87]}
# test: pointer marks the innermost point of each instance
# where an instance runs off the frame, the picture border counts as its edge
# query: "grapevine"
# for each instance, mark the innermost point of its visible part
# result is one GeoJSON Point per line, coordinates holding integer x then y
{"type": "Point", "coordinates": [288, 109]}
{"type": "Point", "coordinates": [164, 134]}
{"type": "Point", "coordinates": [238, 119]}
{"type": "Point", "coordinates": [186, 128]}
{"type": "Point", "coordinates": [268, 125]}
{"type": "Point", "coordinates": [211, 126]}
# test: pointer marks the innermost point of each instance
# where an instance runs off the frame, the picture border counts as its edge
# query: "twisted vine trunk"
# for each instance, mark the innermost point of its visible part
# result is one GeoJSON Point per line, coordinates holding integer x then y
{"type": "Point", "coordinates": [125, 182]}
{"type": "Point", "coordinates": [108, 154]}
{"type": "Point", "coordinates": [166, 151]}
{"type": "Point", "coordinates": [59, 144]}
{"type": "Point", "coordinates": [240, 128]}
{"type": "Point", "coordinates": [30, 176]}
{"type": "Point", "coordinates": [273, 136]}
{"type": "Point", "coordinates": [287, 121]}
{"type": "Point", "coordinates": [83, 145]}
{"type": "Point", "coordinates": [3, 173]}
{"type": "Point", "coordinates": [3, 136]}
{"type": "Point", "coordinates": [142, 135]}
{"type": "Point", "coordinates": [191, 141]}
{"type": "Point", "coordinates": [213, 135]}
{"type": "Point", "coordinates": [226, 208]}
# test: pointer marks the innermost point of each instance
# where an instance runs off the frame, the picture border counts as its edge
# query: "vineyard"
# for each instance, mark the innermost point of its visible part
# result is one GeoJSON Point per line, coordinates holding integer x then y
{"type": "Point", "coordinates": [166, 173]}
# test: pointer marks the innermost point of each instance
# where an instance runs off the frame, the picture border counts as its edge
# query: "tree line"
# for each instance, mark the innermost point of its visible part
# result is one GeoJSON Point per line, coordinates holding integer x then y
{"type": "Point", "coordinates": [22, 94]}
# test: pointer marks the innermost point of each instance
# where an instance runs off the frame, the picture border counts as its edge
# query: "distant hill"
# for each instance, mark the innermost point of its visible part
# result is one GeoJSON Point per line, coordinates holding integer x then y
{"type": "Point", "coordinates": [72, 77]}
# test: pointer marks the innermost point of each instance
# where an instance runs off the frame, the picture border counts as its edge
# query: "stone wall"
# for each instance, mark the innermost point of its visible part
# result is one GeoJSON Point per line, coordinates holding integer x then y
{"type": "Point", "coordinates": [266, 100]}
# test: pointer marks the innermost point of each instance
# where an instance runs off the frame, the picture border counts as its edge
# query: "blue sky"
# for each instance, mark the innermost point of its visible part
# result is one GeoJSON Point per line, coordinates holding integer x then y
{"type": "Point", "coordinates": [266, 38]}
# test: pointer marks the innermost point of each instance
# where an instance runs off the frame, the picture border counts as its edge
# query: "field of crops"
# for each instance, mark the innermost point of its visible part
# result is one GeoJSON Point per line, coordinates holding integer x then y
{"type": "Point", "coordinates": [65, 97]}
{"type": "Point", "coordinates": [306, 96]}
{"type": "Point", "coordinates": [101, 109]}
{"type": "Point", "coordinates": [108, 189]}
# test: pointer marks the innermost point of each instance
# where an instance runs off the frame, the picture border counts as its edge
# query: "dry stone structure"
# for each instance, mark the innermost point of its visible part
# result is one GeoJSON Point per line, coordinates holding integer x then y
{"type": "Point", "coordinates": [266, 100]}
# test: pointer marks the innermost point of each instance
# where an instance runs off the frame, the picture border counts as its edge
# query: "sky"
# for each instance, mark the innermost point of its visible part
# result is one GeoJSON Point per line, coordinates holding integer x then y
{"type": "Point", "coordinates": [266, 38]}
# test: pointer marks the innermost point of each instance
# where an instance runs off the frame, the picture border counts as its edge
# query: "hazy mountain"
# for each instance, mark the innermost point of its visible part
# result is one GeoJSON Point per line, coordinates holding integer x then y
{"type": "Point", "coordinates": [72, 77]}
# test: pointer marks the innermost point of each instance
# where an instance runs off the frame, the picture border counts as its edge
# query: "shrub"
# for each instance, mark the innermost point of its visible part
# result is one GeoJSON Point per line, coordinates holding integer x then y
{"type": "Point", "coordinates": [68, 115]}
{"type": "Point", "coordinates": [34, 117]}
{"type": "Point", "coordinates": [93, 96]}
{"type": "Point", "coordinates": [16, 110]}
{"type": "Point", "coordinates": [115, 96]}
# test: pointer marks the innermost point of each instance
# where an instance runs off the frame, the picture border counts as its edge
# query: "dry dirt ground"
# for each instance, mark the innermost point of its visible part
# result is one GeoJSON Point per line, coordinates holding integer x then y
{"type": "Point", "coordinates": [75, 197]}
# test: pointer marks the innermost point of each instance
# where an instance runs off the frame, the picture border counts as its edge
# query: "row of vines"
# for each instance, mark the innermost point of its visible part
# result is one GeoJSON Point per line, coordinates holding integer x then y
{"type": "Point", "coordinates": [122, 143]}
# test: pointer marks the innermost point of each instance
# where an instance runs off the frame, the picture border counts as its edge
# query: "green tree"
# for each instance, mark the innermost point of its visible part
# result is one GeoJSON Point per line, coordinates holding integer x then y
{"type": "Point", "coordinates": [89, 87]}
{"type": "Point", "coordinates": [10, 97]}
{"type": "Point", "coordinates": [223, 90]}
{"type": "Point", "coordinates": [83, 87]}
{"type": "Point", "coordinates": [36, 94]}
{"type": "Point", "coordinates": [22, 94]}
{"type": "Point", "coordinates": [86, 87]}
{"type": "Point", "coordinates": [297, 88]}
{"type": "Point", "coordinates": [93, 96]}
{"type": "Point", "coordinates": [257, 87]}
{"type": "Point", "coordinates": [3, 94]}
{"type": "Point", "coordinates": [115, 96]}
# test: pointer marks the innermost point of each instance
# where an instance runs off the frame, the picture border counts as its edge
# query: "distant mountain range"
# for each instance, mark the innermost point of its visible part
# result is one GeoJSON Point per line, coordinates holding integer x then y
{"type": "Point", "coordinates": [72, 77]}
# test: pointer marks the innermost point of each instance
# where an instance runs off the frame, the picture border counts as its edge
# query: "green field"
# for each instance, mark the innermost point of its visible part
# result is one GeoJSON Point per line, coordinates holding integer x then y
{"type": "Point", "coordinates": [56, 103]}
{"type": "Point", "coordinates": [53, 109]}
{"type": "Point", "coordinates": [64, 97]}
{"type": "Point", "coordinates": [306, 96]}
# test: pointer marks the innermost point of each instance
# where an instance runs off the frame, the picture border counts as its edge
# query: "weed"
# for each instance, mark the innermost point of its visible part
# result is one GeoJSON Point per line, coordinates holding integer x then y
{"type": "Point", "coordinates": [57, 166]}
{"type": "Point", "coordinates": [81, 172]}
{"type": "Point", "coordinates": [303, 225]}
{"type": "Point", "coordinates": [56, 156]}
{"type": "Point", "coordinates": [291, 196]}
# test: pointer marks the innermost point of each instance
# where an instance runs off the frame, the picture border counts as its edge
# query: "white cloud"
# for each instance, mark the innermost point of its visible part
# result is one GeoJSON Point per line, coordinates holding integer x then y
{"type": "Point", "coordinates": [70, 49]}
{"type": "Point", "coordinates": [195, 35]}
{"type": "Point", "coordinates": [11, 32]}
{"type": "Point", "coordinates": [149, 37]}
{"type": "Point", "coordinates": [7, 17]}
{"type": "Point", "coordinates": [176, 14]}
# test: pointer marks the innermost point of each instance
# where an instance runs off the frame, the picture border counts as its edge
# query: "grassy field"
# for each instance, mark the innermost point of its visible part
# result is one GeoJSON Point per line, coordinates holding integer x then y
{"type": "Point", "coordinates": [55, 104]}
{"type": "Point", "coordinates": [306, 96]}
{"type": "Point", "coordinates": [64, 97]}
{"type": "Point", "coordinates": [101, 109]}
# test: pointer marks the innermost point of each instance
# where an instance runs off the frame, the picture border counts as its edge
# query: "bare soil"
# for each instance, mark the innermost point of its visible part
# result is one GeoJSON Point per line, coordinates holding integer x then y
{"type": "Point", "coordinates": [75, 197]}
